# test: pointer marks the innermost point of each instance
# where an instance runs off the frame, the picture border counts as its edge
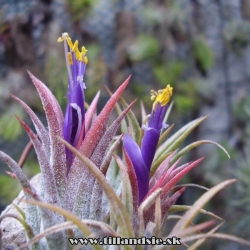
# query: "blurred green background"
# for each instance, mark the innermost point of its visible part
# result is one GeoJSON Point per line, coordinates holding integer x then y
{"type": "Point", "coordinates": [200, 47]}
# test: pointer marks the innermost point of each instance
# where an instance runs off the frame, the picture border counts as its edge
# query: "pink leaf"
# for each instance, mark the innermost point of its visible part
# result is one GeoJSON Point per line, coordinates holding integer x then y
{"type": "Point", "coordinates": [47, 181]}
{"type": "Point", "coordinates": [91, 111]}
{"type": "Point", "coordinates": [171, 201]}
{"type": "Point", "coordinates": [55, 123]}
{"type": "Point", "coordinates": [177, 177]}
{"type": "Point", "coordinates": [40, 129]}
{"type": "Point", "coordinates": [100, 150]}
{"type": "Point", "coordinates": [98, 127]}
{"type": "Point", "coordinates": [88, 117]}
{"type": "Point", "coordinates": [16, 170]}
{"type": "Point", "coordinates": [162, 171]}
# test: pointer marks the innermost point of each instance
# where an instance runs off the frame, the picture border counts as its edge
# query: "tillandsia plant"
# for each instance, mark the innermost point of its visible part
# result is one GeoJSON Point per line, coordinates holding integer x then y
{"type": "Point", "coordinates": [82, 196]}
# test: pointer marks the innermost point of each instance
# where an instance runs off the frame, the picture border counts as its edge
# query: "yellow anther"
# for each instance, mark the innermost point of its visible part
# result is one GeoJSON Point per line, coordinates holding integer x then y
{"type": "Point", "coordinates": [84, 51]}
{"type": "Point", "coordinates": [63, 37]}
{"type": "Point", "coordinates": [153, 95]}
{"type": "Point", "coordinates": [163, 96]}
{"type": "Point", "coordinates": [70, 58]}
{"type": "Point", "coordinates": [85, 59]}
{"type": "Point", "coordinates": [75, 46]}
{"type": "Point", "coordinates": [69, 42]}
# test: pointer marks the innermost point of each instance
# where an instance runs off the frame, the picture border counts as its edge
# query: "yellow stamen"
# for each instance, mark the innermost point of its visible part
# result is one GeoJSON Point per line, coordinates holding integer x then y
{"type": "Point", "coordinates": [75, 47]}
{"type": "Point", "coordinates": [80, 56]}
{"type": "Point", "coordinates": [85, 59]}
{"type": "Point", "coordinates": [84, 51]}
{"type": "Point", "coordinates": [70, 59]}
{"type": "Point", "coordinates": [153, 95]}
{"type": "Point", "coordinates": [162, 97]}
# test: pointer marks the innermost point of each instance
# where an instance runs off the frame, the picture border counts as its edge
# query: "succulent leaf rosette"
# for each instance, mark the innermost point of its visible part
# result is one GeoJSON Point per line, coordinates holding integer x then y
{"type": "Point", "coordinates": [80, 195]}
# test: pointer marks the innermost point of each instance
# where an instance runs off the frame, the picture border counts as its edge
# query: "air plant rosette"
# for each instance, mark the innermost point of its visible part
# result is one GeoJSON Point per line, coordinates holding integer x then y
{"type": "Point", "coordinates": [80, 194]}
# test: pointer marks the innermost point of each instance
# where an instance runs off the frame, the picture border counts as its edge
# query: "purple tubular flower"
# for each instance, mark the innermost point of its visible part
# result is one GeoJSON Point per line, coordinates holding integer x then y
{"type": "Point", "coordinates": [142, 158]}
{"type": "Point", "coordinates": [152, 134]}
{"type": "Point", "coordinates": [75, 114]}
{"type": "Point", "coordinates": [141, 171]}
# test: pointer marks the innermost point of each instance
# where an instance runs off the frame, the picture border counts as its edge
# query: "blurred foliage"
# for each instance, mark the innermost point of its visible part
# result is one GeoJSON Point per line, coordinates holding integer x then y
{"type": "Point", "coordinates": [145, 47]}
{"type": "Point", "coordinates": [168, 73]}
{"type": "Point", "coordinates": [95, 70]}
{"type": "Point", "coordinates": [57, 79]}
{"type": "Point", "coordinates": [80, 8]}
{"type": "Point", "coordinates": [240, 206]}
{"type": "Point", "coordinates": [241, 111]}
{"type": "Point", "coordinates": [238, 166]}
{"type": "Point", "coordinates": [202, 54]}
{"type": "Point", "coordinates": [237, 35]}
{"type": "Point", "coordinates": [7, 183]}
{"type": "Point", "coordinates": [8, 121]}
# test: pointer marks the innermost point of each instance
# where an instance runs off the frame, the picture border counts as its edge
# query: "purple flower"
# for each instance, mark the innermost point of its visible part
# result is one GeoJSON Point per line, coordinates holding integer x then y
{"type": "Point", "coordinates": [73, 127]}
{"type": "Point", "coordinates": [142, 158]}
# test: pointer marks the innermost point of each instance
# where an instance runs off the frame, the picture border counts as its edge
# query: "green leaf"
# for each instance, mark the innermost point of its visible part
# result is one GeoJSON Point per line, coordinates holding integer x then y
{"type": "Point", "coordinates": [181, 208]}
{"type": "Point", "coordinates": [176, 140]}
{"type": "Point", "coordinates": [187, 218]}
{"type": "Point", "coordinates": [194, 145]}
{"type": "Point", "coordinates": [20, 211]}
{"type": "Point", "coordinates": [26, 226]}
{"type": "Point", "coordinates": [201, 241]}
{"type": "Point", "coordinates": [127, 198]}
{"type": "Point", "coordinates": [217, 236]}
{"type": "Point", "coordinates": [133, 123]}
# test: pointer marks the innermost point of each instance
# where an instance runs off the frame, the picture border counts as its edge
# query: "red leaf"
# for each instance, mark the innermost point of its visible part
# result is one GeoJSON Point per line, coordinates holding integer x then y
{"type": "Point", "coordinates": [178, 176]}
{"type": "Point", "coordinates": [98, 127]}
{"type": "Point", "coordinates": [133, 181]}
{"type": "Point", "coordinates": [100, 150]}
{"type": "Point", "coordinates": [171, 201]}
{"type": "Point", "coordinates": [88, 117]}
{"type": "Point", "coordinates": [91, 110]}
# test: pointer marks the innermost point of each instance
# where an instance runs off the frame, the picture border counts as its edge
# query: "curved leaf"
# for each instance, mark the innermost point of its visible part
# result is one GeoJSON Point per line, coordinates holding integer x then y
{"type": "Point", "coordinates": [40, 129]}
{"type": "Point", "coordinates": [187, 218]}
{"type": "Point", "coordinates": [133, 123]}
{"type": "Point", "coordinates": [194, 145]}
{"type": "Point", "coordinates": [55, 123]}
{"type": "Point", "coordinates": [175, 140]}
{"type": "Point", "coordinates": [47, 181]}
